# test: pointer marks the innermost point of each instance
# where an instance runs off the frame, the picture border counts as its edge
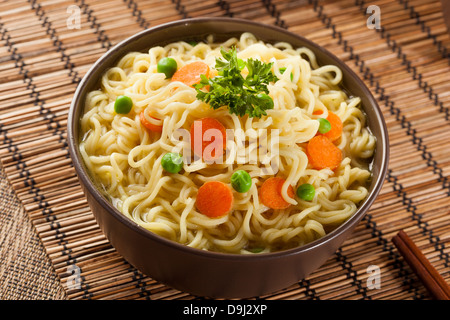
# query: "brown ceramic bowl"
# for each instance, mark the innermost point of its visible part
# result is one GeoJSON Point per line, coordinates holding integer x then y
{"type": "Point", "coordinates": [199, 272]}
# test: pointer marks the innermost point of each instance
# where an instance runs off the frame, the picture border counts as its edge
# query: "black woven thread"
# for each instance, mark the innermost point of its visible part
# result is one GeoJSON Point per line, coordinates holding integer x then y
{"type": "Point", "coordinates": [87, 295]}
{"type": "Point", "coordinates": [101, 36]}
{"type": "Point", "coordinates": [425, 29]}
{"type": "Point", "coordinates": [418, 142]}
{"type": "Point", "coordinates": [51, 32]}
{"type": "Point", "coordinates": [106, 43]}
{"type": "Point", "coordinates": [398, 188]}
{"type": "Point", "coordinates": [352, 274]}
{"type": "Point", "coordinates": [379, 90]}
{"type": "Point", "coordinates": [180, 9]}
{"type": "Point", "coordinates": [404, 273]}
{"type": "Point", "coordinates": [423, 225]}
{"type": "Point", "coordinates": [137, 13]}
{"type": "Point", "coordinates": [272, 9]}
{"type": "Point", "coordinates": [309, 292]}
{"type": "Point", "coordinates": [45, 114]}
{"type": "Point", "coordinates": [139, 278]}
{"type": "Point", "coordinates": [226, 7]}
{"type": "Point", "coordinates": [417, 76]}
{"type": "Point", "coordinates": [55, 125]}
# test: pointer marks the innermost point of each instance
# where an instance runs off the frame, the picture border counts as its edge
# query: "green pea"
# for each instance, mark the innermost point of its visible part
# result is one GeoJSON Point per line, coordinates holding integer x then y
{"type": "Point", "coordinates": [256, 250]}
{"type": "Point", "coordinates": [306, 192]}
{"type": "Point", "coordinates": [168, 66]}
{"type": "Point", "coordinates": [123, 104]}
{"type": "Point", "coordinates": [324, 125]}
{"type": "Point", "coordinates": [241, 181]}
{"type": "Point", "coordinates": [172, 162]}
{"type": "Point", "coordinates": [283, 69]}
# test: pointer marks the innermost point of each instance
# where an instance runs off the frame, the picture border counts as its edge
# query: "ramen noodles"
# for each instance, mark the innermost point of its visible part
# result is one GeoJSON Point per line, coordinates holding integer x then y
{"type": "Point", "coordinates": [238, 147]}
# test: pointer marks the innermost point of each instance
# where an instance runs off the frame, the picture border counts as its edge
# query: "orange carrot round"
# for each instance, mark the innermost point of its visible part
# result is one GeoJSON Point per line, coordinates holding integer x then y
{"type": "Point", "coordinates": [336, 126]}
{"type": "Point", "coordinates": [322, 153]}
{"type": "Point", "coordinates": [206, 142]}
{"type": "Point", "coordinates": [190, 73]}
{"type": "Point", "coordinates": [270, 193]}
{"type": "Point", "coordinates": [150, 126]}
{"type": "Point", "coordinates": [214, 199]}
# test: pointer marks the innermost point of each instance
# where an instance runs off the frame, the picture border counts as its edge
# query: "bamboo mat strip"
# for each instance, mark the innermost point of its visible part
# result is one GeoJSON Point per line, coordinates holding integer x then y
{"type": "Point", "coordinates": [405, 64]}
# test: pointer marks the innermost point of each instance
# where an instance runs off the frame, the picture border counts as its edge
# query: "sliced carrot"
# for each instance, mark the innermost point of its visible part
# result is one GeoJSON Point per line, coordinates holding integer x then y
{"type": "Point", "coordinates": [336, 126]}
{"type": "Point", "coordinates": [322, 153]}
{"type": "Point", "coordinates": [206, 143]}
{"type": "Point", "coordinates": [190, 73]}
{"type": "Point", "coordinates": [270, 193]}
{"type": "Point", "coordinates": [214, 199]}
{"type": "Point", "coordinates": [150, 126]}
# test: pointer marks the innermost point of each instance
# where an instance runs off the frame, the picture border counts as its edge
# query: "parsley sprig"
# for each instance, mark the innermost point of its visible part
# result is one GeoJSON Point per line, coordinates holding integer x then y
{"type": "Point", "coordinates": [247, 95]}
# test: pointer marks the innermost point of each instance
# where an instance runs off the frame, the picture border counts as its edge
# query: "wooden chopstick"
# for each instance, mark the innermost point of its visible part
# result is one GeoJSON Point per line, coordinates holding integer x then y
{"type": "Point", "coordinates": [431, 279]}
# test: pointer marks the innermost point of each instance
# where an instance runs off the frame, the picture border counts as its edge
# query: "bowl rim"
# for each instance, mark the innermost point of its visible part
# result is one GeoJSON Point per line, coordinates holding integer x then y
{"type": "Point", "coordinates": [94, 191]}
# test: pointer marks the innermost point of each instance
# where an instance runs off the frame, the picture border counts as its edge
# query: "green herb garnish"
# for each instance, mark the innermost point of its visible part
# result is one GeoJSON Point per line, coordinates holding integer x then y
{"type": "Point", "coordinates": [247, 95]}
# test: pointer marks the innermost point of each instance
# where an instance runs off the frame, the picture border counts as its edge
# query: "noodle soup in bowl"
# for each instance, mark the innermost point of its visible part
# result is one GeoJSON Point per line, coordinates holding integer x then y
{"type": "Point", "coordinates": [226, 158]}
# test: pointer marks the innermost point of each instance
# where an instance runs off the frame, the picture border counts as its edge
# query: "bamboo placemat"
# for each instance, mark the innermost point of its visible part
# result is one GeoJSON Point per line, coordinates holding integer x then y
{"type": "Point", "coordinates": [406, 64]}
